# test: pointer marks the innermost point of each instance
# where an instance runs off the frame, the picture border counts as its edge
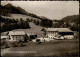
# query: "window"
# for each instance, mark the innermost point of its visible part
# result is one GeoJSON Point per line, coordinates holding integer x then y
{"type": "Point", "coordinates": [12, 36]}
{"type": "Point", "coordinates": [16, 38]}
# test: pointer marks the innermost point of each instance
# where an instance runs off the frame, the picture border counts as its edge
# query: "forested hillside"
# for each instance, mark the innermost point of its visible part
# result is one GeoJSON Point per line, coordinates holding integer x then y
{"type": "Point", "coordinates": [12, 23]}
{"type": "Point", "coordinates": [70, 19]}
{"type": "Point", "coordinates": [71, 22]}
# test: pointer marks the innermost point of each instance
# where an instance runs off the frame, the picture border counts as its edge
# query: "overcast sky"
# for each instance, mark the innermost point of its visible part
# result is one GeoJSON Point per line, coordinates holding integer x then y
{"type": "Point", "coordinates": [49, 9]}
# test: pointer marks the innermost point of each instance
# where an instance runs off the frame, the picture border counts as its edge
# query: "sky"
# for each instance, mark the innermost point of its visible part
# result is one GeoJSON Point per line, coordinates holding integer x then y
{"type": "Point", "coordinates": [50, 9]}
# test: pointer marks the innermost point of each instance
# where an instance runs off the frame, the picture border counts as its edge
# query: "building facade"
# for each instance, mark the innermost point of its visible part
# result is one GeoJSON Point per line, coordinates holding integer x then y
{"type": "Point", "coordinates": [4, 38]}
{"type": "Point", "coordinates": [57, 33]}
{"type": "Point", "coordinates": [16, 35]}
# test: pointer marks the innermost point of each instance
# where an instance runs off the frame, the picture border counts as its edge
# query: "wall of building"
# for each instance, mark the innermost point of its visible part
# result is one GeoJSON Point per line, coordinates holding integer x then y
{"type": "Point", "coordinates": [64, 35]}
{"type": "Point", "coordinates": [17, 37]}
{"type": "Point", "coordinates": [51, 34]}
{"type": "Point", "coordinates": [69, 36]}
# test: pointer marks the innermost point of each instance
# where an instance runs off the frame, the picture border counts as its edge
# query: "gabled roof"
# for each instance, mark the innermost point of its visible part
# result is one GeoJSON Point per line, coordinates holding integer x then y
{"type": "Point", "coordinates": [31, 34]}
{"type": "Point", "coordinates": [59, 29]}
{"type": "Point", "coordinates": [16, 33]}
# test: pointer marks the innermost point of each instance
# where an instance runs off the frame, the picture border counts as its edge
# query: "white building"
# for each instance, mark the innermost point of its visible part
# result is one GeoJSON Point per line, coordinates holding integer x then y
{"type": "Point", "coordinates": [16, 35]}
{"type": "Point", "coordinates": [5, 38]}
{"type": "Point", "coordinates": [59, 33]}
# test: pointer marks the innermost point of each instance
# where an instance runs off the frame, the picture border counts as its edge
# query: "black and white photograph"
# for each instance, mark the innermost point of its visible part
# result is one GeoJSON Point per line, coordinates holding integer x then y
{"type": "Point", "coordinates": [39, 0]}
{"type": "Point", "coordinates": [39, 28]}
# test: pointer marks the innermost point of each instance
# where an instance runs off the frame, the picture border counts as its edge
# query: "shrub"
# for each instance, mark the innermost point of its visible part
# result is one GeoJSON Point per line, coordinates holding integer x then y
{"type": "Point", "coordinates": [7, 46]}
{"type": "Point", "coordinates": [4, 44]}
{"type": "Point", "coordinates": [20, 41]}
{"type": "Point", "coordinates": [21, 44]}
{"type": "Point", "coordinates": [14, 44]}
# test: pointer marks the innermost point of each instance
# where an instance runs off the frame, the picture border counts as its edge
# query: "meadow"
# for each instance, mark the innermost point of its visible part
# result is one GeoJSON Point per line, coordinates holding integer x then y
{"type": "Point", "coordinates": [51, 48]}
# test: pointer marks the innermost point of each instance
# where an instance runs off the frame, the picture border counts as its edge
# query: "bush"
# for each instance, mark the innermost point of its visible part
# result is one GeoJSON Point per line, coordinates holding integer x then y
{"type": "Point", "coordinates": [21, 43]}
{"type": "Point", "coordinates": [4, 45]}
{"type": "Point", "coordinates": [14, 44]}
{"type": "Point", "coordinates": [7, 46]}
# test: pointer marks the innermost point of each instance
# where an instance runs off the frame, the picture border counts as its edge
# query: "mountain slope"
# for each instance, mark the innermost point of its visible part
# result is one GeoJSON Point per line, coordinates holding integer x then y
{"type": "Point", "coordinates": [71, 22]}
{"type": "Point", "coordinates": [73, 18]}
{"type": "Point", "coordinates": [8, 9]}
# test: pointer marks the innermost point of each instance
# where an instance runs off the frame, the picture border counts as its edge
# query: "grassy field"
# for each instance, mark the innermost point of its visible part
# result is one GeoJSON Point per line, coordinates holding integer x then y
{"type": "Point", "coordinates": [34, 29]}
{"type": "Point", "coordinates": [52, 48]}
{"type": "Point", "coordinates": [18, 16]}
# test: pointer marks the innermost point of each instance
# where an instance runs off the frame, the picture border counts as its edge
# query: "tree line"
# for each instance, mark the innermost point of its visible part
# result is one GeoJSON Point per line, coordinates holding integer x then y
{"type": "Point", "coordinates": [11, 24]}
{"type": "Point", "coordinates": [42, 22]}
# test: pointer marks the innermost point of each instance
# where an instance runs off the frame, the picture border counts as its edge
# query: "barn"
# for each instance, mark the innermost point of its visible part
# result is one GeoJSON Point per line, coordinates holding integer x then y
{"type": "Point", "coordinates": [64, 33]}
{"type": "Point", "coordinates": [17, 35]}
